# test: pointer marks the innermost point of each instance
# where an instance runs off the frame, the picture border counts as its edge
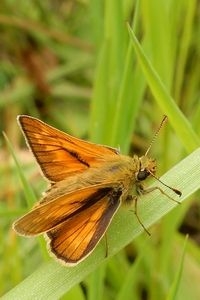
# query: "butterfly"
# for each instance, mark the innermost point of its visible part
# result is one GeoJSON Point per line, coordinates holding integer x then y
{"type": "Point", "coordinates": [88, 183]}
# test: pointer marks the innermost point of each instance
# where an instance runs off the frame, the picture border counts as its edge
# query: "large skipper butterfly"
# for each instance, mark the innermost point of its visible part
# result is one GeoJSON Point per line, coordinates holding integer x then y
{"type": "Point", "coordinates": [88, 183]}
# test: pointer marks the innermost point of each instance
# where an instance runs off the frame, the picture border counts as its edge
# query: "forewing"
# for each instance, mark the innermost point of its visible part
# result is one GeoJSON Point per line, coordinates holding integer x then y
{"type": "Point", "coordinates": [76, 237]}
{"type": "Point", "coordinates": [46, 216]}
{"type": "Point", "coordinates": [59, 154]}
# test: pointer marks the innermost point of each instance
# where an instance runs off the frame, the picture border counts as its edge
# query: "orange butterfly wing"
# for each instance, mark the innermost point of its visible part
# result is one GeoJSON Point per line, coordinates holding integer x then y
{"type": "Point", "coordinates": [46, 216]}
{"type": "Point", "coordinates": [76, 223]}
{"type": "Point", "coordinates": [59, 154]}
{"type": "Point", "coordinates": [78, 235]}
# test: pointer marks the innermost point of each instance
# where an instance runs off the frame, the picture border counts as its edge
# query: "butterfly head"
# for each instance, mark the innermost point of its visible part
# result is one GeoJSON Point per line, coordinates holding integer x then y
{"type": "Point", "coordinates": [147, 167]}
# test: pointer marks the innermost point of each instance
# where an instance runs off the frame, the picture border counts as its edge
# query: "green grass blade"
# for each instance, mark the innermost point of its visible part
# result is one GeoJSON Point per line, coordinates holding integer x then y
{"type": "Point", "coordinates": [126, 290]}
{"type": "Point", "coordinates": [174, 288]}
{"type": "Point", "coordinates": [52, 280]}
{"type": "Point", "coordinates": [180, 123]}
{"type": "Point", "coordinates": [29, 195]}
{"type": "Point", "coordinates": [96, 283]}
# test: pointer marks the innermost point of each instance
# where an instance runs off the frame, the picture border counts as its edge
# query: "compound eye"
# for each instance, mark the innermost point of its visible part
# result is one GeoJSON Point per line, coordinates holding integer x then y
{"type": "Point", "coordinates": [142, 175]}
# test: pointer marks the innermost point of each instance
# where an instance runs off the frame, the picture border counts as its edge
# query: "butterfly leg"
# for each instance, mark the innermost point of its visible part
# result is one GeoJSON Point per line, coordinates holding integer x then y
{"type": "Point", "coordinates": [132, 198]}
{"type": "Point", "coordinates": [106, 245]}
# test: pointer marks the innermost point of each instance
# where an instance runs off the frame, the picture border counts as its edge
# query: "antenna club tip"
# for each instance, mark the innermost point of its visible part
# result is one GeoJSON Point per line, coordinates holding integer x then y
{"type": "Point", "coordinates": [177, 192]}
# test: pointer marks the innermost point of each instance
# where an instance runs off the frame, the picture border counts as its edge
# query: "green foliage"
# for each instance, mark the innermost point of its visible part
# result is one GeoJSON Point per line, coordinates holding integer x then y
{"type": "Point", "coordinates": [77, 66]}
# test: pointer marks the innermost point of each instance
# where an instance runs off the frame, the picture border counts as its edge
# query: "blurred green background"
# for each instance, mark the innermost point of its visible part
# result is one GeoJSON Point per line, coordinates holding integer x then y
{"type": "Point", "coordinates": [73, 65]}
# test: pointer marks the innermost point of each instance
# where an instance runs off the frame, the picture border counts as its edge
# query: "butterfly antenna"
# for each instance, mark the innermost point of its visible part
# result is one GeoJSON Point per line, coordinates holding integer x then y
{"type": "Point", "coordinates": [153, 175]}
{"type": "Point", "coordinates": [156, 134]}
{"type": "Point", "coordinates": [169, 187]}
